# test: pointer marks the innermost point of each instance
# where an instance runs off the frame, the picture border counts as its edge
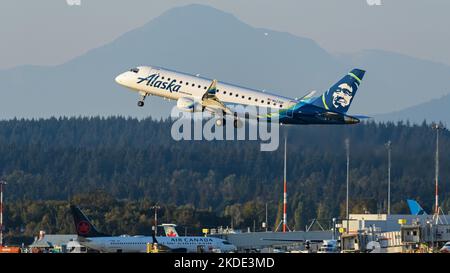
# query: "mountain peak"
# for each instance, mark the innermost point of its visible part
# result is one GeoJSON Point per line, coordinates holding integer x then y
{"type": "Point", "coordinates": [197, 9]}
{"type": "Point", "coordinates": [434, 110]}
{"type": "Point", "coordinates": [200, 39]}
{"type": "Point", "coordinates": [196, 14]}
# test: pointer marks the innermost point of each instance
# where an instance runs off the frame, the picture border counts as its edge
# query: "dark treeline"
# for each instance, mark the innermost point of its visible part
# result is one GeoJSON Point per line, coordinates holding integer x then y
{"type": "Point", "coordinates": [137, 161]}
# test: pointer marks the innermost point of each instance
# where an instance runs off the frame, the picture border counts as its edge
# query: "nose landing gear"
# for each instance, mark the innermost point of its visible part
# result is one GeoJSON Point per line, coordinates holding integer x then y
{"type": "Point", "coordinates": [140, 103]}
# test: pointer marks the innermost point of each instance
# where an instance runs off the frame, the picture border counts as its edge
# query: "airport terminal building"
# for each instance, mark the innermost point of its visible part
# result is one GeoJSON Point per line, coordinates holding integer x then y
{"type": "Point", "coordinates": [388, 222]}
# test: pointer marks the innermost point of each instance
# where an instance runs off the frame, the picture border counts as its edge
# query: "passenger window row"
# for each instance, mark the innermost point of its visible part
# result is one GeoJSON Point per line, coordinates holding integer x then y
{"type": "Point", "coordinates": [224, 92]}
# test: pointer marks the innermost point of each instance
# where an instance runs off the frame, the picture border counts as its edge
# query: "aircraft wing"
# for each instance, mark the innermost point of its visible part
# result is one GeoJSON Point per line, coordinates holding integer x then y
{"type": "Point", "coordinates": [211, 102]}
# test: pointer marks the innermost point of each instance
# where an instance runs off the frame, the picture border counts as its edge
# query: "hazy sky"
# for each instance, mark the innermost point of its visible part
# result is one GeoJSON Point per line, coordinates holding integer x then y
{"type": "Point", "coordinates": [52, 32]}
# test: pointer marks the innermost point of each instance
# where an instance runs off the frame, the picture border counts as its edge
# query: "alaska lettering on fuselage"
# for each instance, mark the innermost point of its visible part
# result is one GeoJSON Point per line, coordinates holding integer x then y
{"type": "Point", "coordinates": [153, 81]}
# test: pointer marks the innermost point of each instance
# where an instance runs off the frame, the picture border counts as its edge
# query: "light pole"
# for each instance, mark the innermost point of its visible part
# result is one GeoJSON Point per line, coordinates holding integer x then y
{"type": "Point", "coordinates": [388, 146]}
{"type": "Point", "coordinates": [266, 217]}
{"type": "Point", "coordinates": [266, 223]}
{"type": "Point", "coordinates": [347, 147]}
{"type": "Point", "coordinates": [2, 183]}
{"type": "Point", "coordinates": [437, 127]}
{"type": "Point", "coordinates": [431, 235]}
{"type": "Point", "coordinates": [156, 208]}
{"type": "Point", "coordinates": [334, 229]}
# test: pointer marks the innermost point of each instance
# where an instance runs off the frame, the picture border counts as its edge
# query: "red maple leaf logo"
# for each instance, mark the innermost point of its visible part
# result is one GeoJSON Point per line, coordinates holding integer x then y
{"type": "Point", "coordinates": [83, 227]}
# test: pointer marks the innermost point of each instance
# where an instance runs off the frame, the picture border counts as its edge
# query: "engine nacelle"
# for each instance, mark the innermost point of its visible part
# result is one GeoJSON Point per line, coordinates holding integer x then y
{"type": "Point", "coordinates": [189, 105]}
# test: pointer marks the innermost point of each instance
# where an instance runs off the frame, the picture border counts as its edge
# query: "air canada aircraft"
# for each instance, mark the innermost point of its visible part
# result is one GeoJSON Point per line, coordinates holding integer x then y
{"type": "Point", "coordinates": [198, 94]}
{"type": "Point", "coordinates": [88, 236]}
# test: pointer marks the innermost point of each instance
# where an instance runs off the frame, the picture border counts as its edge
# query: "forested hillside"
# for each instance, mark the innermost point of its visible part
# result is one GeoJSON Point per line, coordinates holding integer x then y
{"type": "Point", "coordinates": [135, 163]}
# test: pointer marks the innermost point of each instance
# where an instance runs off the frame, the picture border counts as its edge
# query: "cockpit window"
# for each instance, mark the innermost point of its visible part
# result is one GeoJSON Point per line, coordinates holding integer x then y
{"type": "Point", "coordinates": [134, 70]}
{"type": "Point", "coordinates": [226, 243]}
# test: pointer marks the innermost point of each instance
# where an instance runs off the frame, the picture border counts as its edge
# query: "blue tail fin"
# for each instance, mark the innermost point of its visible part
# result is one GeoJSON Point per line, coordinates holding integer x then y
{"type": "Point", "coordinates": [339, 97]}
{"type": "Point", "coordinates": [415, 208]}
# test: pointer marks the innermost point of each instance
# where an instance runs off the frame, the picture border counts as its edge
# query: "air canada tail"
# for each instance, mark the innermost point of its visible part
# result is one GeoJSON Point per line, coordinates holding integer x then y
{"type": "Point", "coordinates": [415, 208]}
{"type": "Point", "coordinates": [83, 226]}
{"type": "Point", "coordinates": [339, 97]}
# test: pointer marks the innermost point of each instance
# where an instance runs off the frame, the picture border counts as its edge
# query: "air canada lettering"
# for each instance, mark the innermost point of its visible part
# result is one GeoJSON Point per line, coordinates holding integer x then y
{"type": "Point", "coordinates": [153, 80]}
{"type": "Point", "coordinates": [201, 240]}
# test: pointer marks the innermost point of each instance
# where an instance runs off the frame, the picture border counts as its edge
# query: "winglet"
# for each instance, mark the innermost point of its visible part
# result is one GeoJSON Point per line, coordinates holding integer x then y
{"type": "Point", "coordinates": [211, 92]}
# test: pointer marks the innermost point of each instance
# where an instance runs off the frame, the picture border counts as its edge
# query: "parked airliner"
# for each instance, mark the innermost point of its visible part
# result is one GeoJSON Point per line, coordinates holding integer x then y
{"type": "Point", "coordinates": [88, 236]}
{"type": "Point", "coordinates": [197, 94]}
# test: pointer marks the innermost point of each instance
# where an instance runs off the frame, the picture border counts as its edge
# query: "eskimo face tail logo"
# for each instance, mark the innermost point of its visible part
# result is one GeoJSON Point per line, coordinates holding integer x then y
{"type": "Point", "coordinates": [342, 96]}
{"type": "Point", "coordinates": [83, 227]}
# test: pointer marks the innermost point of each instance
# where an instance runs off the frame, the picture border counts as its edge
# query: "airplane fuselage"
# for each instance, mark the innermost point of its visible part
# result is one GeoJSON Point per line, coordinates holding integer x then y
{"type": "Point", "coordinates": [174, 85]}
{"type": "Point", "coordinates": [137, 244]}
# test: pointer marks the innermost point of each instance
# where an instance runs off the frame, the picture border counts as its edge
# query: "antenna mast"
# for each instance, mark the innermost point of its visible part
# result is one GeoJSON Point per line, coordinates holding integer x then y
{"type": "Point", "coordinates": [437, 127]}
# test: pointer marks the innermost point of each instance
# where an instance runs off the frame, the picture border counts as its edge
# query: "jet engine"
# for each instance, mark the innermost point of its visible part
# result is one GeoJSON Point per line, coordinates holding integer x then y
{"type": "Point", "coordinates": [189, 105]}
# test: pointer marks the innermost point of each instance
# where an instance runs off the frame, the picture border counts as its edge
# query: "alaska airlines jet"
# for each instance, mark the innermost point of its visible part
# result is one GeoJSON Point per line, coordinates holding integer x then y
{"type": "Point", "coordinates": [198, 94]}
{"type": "Point", "coordinates": [415, 208]}
{"type": "Point", "coordinates": [88, 236]}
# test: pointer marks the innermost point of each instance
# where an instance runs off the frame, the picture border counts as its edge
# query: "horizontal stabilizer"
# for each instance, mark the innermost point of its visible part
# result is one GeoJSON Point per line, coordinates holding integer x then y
{"type": "Point", "coordinates": [361, 117]}
{"type": "Point", "coordinates": [308, 95]}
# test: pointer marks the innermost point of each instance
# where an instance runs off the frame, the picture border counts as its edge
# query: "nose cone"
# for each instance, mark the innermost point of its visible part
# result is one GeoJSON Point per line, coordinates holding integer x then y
{"type": "Point", "coordinates": [120, 79]}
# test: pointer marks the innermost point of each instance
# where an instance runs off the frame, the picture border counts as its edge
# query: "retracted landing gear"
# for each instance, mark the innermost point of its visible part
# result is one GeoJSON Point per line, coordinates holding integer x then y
{"type": "Point", "coordinates": [237, 123]}
{"type": "Point", "coordinates": [220, 122]}
{"type": "Point", "coordinates": [220, 118]}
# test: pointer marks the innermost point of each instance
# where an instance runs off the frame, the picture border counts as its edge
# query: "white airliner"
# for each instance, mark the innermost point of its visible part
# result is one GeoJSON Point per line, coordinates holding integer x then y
{"type": "Point", "coordinates": [197, 94]}
{"type": "Point", "coordinates": [88, 236]}
{"type": "Point", "coordinates": [138, 244]}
